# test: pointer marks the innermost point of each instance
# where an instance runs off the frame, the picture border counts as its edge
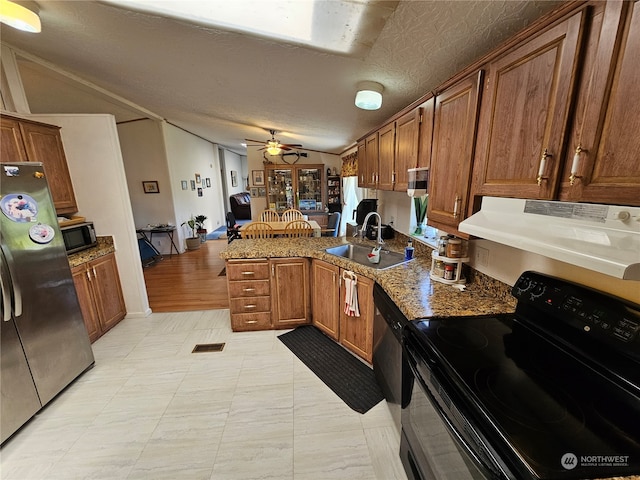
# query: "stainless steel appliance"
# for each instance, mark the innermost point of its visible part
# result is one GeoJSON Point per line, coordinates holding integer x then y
{"type": "Point", "coordinates": [388, 323]}
{"type": "Point", "coordinates": [552, 391]}
{"type": "Point", "coordinates": [44, 343]}
{"type": "Point", "coordinates": [79, 237]}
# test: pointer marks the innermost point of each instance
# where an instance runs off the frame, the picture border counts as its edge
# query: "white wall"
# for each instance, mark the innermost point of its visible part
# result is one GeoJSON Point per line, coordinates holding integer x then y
{"type": "Point", "coordinates": [145, 159]}
{"type": "Point", "coordinates": [97, 171]}
{"type": "Point", "coordinates": [188, 155]}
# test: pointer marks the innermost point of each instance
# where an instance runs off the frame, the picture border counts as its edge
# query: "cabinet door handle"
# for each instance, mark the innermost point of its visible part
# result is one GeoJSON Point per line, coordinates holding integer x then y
{"type": "Point", "coordinates": [273, 271]}
{"type": "Point", "coordinates": [575, 165]}
{"type": "Point", "coordinates": [251, 321]}
{"type": "Point", "coordinates": [249, 307]}
{"type": "Point", "coordinates": [95, 275]}
{"type": "Point", "coordinates": [89, 275]}
{"type": "Point", "coordinates": [248, 273]}
{"type": "Point", "coordinates": [248, 289]}
{"type": "Point", "coordinates": [456, 203]}
{"type": "Point", "coordinates": [542, 167]}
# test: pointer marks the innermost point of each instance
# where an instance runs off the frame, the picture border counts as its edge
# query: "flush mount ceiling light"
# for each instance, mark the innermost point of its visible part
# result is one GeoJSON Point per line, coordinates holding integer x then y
{"type": "Point", "coordinates": [369, 96]}
{"type": "Point", "coordinates": [19, 17]}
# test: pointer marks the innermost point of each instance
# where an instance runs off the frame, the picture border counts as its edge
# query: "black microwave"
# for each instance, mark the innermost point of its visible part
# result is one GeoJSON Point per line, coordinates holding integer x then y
{"type": "Point", "coordinates": [79, 237]}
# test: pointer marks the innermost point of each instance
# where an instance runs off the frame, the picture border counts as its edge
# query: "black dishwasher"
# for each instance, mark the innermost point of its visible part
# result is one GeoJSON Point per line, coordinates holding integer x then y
{"type": "Point", "coordinates": [388, 323]}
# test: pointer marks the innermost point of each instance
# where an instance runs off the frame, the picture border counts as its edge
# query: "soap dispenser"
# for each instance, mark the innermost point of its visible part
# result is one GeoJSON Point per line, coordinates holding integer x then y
{"type": "Point", "coordinates": [408, 250]}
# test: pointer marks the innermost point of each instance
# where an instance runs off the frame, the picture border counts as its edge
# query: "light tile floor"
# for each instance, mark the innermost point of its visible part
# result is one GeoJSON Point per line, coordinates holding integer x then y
{"type": "Point", "coordinates": [151, 409]}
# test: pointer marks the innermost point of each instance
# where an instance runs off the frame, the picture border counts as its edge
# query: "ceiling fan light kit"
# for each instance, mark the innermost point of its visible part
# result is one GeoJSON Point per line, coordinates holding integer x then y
{"type": "Point", "coordinates": [369, 96]}
{"type": "Point", "coordinates": [19, 17]}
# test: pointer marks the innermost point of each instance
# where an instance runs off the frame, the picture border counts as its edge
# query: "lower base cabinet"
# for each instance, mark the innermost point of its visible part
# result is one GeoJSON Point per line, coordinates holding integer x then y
{"type": "Point", "coordinates": [100, 294]}
{"type": "Point", "coordinates": [329, 292]}
{"type": "Point", "coordinates": [268, 293]}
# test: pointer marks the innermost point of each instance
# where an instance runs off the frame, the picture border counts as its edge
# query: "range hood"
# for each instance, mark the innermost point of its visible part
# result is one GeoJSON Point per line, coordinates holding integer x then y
{"type": "Point", "coordinates": [603, 238]}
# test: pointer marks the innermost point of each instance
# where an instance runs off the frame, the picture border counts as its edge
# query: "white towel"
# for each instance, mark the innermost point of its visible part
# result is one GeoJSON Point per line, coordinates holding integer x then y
{"type": "Point", "coordinates": [351, 294]}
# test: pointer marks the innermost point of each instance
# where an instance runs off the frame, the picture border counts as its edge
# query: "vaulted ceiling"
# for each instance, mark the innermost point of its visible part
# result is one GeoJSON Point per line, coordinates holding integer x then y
{"type": "Point", "coordinates": [227, 86]}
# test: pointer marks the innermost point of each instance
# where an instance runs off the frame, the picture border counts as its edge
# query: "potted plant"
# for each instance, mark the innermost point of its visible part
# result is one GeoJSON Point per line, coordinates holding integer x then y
{"type": "Point", "coordinates": [193, 242]}
{"type": "Point", "coordinates": [199, 224]}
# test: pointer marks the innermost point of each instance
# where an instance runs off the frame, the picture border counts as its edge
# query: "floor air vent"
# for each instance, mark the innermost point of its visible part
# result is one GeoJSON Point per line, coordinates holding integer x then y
{"type": "Point", "coordinates": [208, 347]}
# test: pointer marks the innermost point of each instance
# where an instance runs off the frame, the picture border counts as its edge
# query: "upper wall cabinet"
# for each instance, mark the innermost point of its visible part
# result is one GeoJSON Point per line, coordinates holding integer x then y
{"type": "Point", "coordinates": [407, 147]}
{"type": "Point", "coordinates": [425, 134]}
{"type": "Point", "coordinates": [601, 163]}
{"type": "Point", "coordinates": [28, 141]}
{"type": "Point", "coordinates": [389, 152]}
{"type": "Point", "coordinates": [454, 133]}
{"type": "Point", "coordinates": [523, 119]}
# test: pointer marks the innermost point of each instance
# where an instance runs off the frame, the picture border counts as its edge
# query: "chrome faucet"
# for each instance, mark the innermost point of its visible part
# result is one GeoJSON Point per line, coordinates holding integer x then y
{"type": "Point", "coordinates": [364, 227]}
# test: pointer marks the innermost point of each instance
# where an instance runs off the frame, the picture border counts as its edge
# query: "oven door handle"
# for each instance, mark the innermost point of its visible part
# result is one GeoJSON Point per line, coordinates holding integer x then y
{"type": "Point", "coordinates": [496, 472]}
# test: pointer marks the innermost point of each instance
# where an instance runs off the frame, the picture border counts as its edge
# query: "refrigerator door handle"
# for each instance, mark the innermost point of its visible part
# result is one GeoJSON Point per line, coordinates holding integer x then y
{"type": "Point", "coordinates": [10, 282]}
{"type": "Point", "coordinates": [6, 295]}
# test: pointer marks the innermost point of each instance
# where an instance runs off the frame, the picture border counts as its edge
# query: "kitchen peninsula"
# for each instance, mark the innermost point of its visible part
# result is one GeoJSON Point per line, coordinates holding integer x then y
{"type": "Point", "coordinates": [409, 284]}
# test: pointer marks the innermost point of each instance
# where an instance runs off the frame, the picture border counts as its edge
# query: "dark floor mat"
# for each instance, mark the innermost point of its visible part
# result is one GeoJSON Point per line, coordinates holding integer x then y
{"type": "Point", "coordinates": [349, 378]}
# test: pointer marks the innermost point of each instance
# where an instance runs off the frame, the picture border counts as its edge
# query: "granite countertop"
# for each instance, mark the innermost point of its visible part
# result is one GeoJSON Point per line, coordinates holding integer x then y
{"type": "Point", "coordinates": [104, 247]}
{"type": "Point", "coordinates": [408, 284]}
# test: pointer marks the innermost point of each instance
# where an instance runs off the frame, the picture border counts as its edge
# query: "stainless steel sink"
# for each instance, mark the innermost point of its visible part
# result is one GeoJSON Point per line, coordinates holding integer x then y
{"type": "Point", "coordinates": [359, 254]}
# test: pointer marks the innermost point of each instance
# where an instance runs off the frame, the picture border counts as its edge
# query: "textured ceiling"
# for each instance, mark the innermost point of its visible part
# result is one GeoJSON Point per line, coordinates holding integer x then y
{"type": "Point", "coordinates": [226, 86]}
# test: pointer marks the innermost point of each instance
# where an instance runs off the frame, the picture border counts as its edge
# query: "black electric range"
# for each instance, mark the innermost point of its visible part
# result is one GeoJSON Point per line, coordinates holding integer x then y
{"type": "Point", "coordinates": [552, 391]}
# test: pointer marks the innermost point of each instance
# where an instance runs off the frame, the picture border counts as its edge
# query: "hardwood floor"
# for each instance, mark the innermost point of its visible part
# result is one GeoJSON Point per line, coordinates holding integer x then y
{"type": "Point", "coordinates": [188, 281]}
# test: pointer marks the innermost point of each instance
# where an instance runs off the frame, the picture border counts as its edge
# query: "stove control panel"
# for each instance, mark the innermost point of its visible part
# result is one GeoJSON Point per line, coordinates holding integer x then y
{"type": "Point", "coordinates": [595, 313]}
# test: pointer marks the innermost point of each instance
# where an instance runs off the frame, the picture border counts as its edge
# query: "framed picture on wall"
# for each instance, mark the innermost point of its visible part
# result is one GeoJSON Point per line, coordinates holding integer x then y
{"type": "Point", "coordinates": [257, 177]}
{"type": "Point", "coordinates": [150, 186]}
{"type": "Point", "coordinates": [198, 179]}
{"type": "Point", "coordinates": [207, 182]}
{"type": "Point", "coordinates": [234, 178]}
{"type": "Point", "coordinates": [262, 192]}
{"type": "Point", "coordinates": [254, 192]}
{"type": "Point", "coordinates": [184, 184]}
{"type": "Point", "coordinates": [199, 191]}
{"type": "Point", "coordinates": [193, 184]}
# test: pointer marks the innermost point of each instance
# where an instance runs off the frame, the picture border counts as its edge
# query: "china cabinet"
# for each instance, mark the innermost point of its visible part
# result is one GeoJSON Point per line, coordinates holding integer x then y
{"type": "Point", "coordinates": [296, 186]}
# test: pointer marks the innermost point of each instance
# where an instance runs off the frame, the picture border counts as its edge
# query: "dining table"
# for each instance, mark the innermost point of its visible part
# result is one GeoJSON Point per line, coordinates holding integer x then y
{"type": "Point", "coordinates": [278, 227]}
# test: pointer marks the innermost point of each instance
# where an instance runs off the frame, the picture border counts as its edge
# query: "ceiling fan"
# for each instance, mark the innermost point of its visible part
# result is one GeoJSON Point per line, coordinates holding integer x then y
{"type": "Point", "coordinates": [273, 146]}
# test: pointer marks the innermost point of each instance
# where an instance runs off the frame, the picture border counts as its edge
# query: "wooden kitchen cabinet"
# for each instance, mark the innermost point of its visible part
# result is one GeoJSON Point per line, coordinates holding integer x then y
{"type": "Point", "coordinates": [406, 147]}
{"type": "Point", "coordinates": [249, 286]}
{"type": "Point", "coordinates": [29, 141]}
{"type": "Point", "coordinates": [268, 293]}
{"type": "Point", "coordinates": [454, 133]}
{"type": "Point", "coordinates": [100, 294]}
{"type": "Point", "coordinates": [389, 152]}
{"type": "Point", "coordinates": [325, 285]}
{"type": "Point", "coordinates": [425, 134]}
{"type": "Point", "coordinates": [386, 157]}
{"type": "Point", "coordinates": [354, 333]}
{"type": "Point", "coordinates": [370, 164]}
{"type": "Point", "coordinates": [606, 124]}
{"type": "Point", "coordinates": [525, 108]}
{"type": "Point", "coordinates": [362, 159]}
{"type": "Point", "coordinates": [290, 301]}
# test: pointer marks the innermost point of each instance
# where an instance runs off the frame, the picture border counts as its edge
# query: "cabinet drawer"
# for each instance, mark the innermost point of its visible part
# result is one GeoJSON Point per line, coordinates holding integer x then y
{"type": "Point", "coordinates": [253, 288]}
{"type": "Point", "coordinates": [250, 304]}
{"type": "Point", "coordinates": [250, 321]}
{"type": "Point", "coordinates": [248, 271]}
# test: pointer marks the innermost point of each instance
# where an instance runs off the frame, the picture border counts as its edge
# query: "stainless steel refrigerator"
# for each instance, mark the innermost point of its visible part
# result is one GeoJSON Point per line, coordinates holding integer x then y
{"type": "Point", "coordinates": [44, 344]}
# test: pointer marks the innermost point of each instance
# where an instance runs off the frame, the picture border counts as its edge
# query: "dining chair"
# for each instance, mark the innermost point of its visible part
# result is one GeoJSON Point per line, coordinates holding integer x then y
{"type": "Point", "coordinates": [291, 215]}
{"type": "Point", "coordinates": [298, 228]}
{"type": "Point", "coordinates": [257, 230]}
{"type": "Point", "coordinates": [269, 216]}
{"type": "Point", "coordinates": [333, 225]}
